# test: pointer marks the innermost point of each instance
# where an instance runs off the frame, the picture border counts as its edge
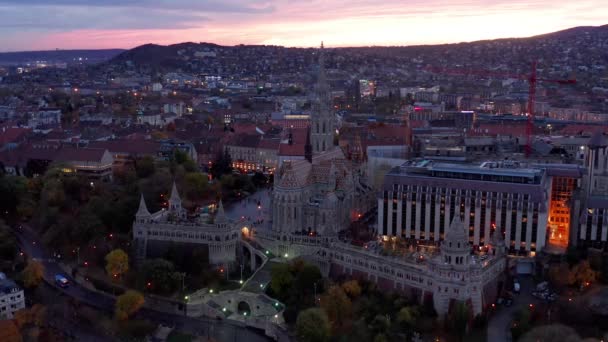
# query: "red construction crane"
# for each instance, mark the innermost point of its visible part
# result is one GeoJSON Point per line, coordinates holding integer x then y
{"type": "Point", "coordinates": [531, 78]}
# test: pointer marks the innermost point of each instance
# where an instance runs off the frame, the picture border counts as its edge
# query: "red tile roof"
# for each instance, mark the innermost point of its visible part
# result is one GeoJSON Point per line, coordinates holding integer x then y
{"type": "Point", "coordinates": [291, 150]}
{"type": "Point", "coordinates": [12, 134]}
{"type": "Point", "coordinates": [269, 144]}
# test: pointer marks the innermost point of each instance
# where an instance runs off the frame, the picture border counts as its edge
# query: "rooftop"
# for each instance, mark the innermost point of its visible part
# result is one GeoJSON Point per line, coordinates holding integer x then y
{"type": "Point", "coordinates": [7, 285]}
{"type": "Point", "coordinates": [439, 169]}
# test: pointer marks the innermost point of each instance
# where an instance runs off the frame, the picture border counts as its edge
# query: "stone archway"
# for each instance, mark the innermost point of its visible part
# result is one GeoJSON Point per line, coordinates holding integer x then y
{"type": "Point", "coordinates": [243, 308]}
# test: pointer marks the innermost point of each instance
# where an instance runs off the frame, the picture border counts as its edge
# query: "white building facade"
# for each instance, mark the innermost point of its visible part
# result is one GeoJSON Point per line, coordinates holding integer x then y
{"type": "Point", "coordinates": [12, 298]}
{"type": "Point", "coordinates": [220, 237]}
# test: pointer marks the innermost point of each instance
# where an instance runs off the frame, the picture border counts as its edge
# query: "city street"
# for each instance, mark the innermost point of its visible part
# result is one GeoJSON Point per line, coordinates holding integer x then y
{"type": "Point", "coordinates": [219, 330]}
{"type": "Point", "coordinates": [499, 325]}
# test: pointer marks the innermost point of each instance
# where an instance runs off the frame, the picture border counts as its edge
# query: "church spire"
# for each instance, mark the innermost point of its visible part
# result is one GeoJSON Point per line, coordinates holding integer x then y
{"type": "Point", "coordinates": [322, 118]}
{"type": "Point", "coordinates": [322, 88]}
{"type": "Point", "coordinates": [143, 209]}
{"type": "Point", "coordinates": [174, 193]}
{"type": "Point", "coordinates": [220, 215]}
{"type": "Point", "coordinates": [175, 202]}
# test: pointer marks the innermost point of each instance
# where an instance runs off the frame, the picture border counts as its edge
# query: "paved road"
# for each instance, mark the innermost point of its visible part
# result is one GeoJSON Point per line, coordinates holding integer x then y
{"type": "Point", "coordinates": [220, 330]}
{"type": "Point", "coordinates": [499, 325]}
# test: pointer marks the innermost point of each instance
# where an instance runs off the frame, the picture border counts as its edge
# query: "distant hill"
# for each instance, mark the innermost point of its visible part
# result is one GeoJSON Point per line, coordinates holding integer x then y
{"type": "Point", "coordinates": [91, 56]}
{"type": "Point", "coordinates": [580, 50]}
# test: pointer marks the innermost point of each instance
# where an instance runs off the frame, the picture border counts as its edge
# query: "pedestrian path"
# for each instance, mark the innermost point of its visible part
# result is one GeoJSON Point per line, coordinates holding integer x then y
{"type": "Point", "coordinates": [260, 280]}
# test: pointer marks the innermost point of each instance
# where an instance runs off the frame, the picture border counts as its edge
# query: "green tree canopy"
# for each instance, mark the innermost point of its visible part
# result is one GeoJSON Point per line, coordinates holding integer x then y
{"type": "Point", "coordinates": [281, 280]}
{"type": "Point", "coordinates": [8, 244]}
{"type": "Point", "coordinates": [222, 165]}
{"type": "Point", "coordinates": [144, 167]}
{"type": "Point", "coordinates": [553, 332]}
{"type": "Point", "coordinates": [460, 319]}
{"type": "Point", "coordinates": [312, 325]}
{"type": "Point", "coordinates": [161, 274]}
{"type": "Point", "coordinates": [305, 280]}
{"type": "Point", "coordinates": [197, 185]}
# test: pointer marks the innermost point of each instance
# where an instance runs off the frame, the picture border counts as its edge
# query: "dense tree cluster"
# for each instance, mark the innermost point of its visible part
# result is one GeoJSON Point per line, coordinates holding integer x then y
{"type": "Point", "coordinates": [128, 304]}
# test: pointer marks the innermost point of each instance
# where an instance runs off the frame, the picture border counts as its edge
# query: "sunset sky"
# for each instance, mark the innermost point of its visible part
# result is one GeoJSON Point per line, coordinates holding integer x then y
{"type": "Point", "coordinates": [69, 24]}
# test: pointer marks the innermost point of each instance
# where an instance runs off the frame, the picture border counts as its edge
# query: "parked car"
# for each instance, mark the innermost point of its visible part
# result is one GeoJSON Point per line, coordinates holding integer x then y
{"type": "Point", "coordinates": [61, 281]}
{"type": "Point", "coordinates": [508, 302]}
{"type": "Point", "coordinates": [542, 286]}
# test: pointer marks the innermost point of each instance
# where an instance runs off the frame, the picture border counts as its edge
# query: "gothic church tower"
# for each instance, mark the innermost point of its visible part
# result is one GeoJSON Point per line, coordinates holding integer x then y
{"type": "Point", "coordinates": [322, 118]}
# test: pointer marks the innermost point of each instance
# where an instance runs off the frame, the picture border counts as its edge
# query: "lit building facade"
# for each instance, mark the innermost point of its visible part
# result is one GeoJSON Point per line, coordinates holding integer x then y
{"type": "Point", "coordinates": [592, 222]}
{"type": "Point", "coordinates": [420, 198]}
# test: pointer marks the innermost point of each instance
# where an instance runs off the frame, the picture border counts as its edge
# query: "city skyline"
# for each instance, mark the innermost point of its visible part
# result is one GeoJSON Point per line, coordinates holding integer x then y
{"type": "Point", "coordinates": [73, 24]}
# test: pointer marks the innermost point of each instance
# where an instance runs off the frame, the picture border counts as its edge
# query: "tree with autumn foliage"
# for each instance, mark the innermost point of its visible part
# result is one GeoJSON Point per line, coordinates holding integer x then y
{"type": "Point", "coordinates": [583, 273]}
{"type": "Point", "coordinates": [9, 331]}
{"type": "Point", "coordinates": [32, 274]}
{"type": "Point", "coordinates": [352, 289]}
{"type": "Point", "coordinates": [117, 263]}
{"type": "Point", "coordinates": [128, 304]}
{"type": "Point", "coordinates": [338, 307]}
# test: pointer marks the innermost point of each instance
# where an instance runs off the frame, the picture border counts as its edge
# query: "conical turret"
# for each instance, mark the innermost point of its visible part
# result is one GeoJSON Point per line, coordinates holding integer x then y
{"type": "Point", "coordinates": [220, 215]}
{"type": "Point", "coordinates": [455, 248]}
{"type": "Point", "coordinates": [456, 231]}
{"type": "Point", "coordinates": [175, 202]}
{"type": "Point", "coordinates": [143, 209]}
{"type": "Point", "coordinates": [174, 194]}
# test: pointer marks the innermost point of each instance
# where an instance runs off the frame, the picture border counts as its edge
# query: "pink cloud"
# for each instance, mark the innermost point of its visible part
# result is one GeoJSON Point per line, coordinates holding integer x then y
{"type": "Point", "coordinates": [353, 22]}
